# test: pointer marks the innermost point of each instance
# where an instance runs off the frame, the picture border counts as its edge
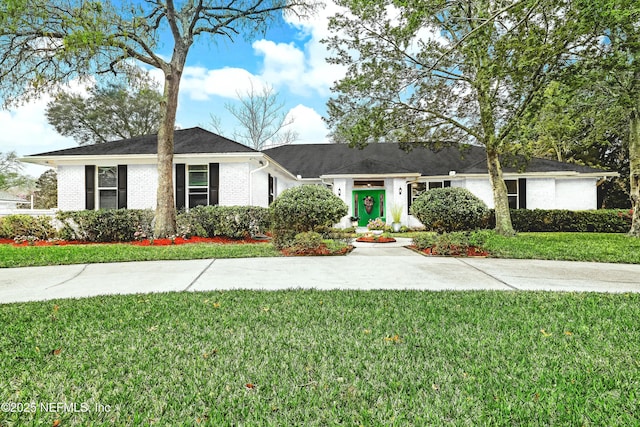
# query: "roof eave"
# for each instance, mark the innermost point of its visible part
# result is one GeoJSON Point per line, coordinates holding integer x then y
{"type": "Point", "coordinates": [370, 176]}
{"type": "Point", "coordinates": [130, 158]}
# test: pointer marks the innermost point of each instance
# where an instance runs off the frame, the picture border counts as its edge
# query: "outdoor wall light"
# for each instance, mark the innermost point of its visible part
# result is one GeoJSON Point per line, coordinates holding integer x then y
{"type": "Point", "coordinates": [400, 190]}
{"type": "Point", "coordinates": [339, 192]}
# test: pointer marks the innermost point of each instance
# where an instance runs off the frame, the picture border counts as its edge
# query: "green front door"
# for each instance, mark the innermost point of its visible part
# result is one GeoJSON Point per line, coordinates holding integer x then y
{"type": "Point", "coordinates": [368, 204]}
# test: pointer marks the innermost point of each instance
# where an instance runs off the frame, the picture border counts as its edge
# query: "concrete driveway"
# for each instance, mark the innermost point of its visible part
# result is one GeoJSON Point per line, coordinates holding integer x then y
{"type": "Point", "coordinates": [367, 267]}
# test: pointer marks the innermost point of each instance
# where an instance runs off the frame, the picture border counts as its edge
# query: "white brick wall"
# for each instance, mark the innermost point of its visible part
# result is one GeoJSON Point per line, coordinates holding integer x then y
{"type": "Point", "coordinates": [480, 187]}
{"type": "Point", "coordinates": [541, 193]}
{"type": "Point", "coordinates": [234, 184]}
{"type": "Point", "coordinates": [142, 186]}
{"type": "Point", "coordinates": [576, 194]}
{"type": "Point", "coordinates": [71, 188]}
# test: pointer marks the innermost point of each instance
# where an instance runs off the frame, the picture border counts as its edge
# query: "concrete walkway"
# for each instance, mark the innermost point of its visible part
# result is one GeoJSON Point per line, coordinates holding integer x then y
{"type": "Point", "coordinates": [369, 266]}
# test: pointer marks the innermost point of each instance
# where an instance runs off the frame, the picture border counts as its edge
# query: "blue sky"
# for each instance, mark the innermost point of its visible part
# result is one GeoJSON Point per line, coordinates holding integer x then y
{"type": "Point", "coordinates": [290, 58]}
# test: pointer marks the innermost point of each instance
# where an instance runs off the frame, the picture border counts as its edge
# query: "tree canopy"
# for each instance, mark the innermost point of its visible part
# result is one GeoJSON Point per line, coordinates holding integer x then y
{"type": "Point", "coordinates": [429, 72]}
{"type": "Point", "coordinates": [47, 42]}
{"type": "Point", "coordinates": [11, 172]}
{"type": "Point", "coordinates": [111, 111]}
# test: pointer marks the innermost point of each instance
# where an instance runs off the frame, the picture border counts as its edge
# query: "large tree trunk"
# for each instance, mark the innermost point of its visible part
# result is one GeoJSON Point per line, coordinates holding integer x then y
{"type": "Point", "coordinates": [165, 219]}
{"type": "Point", "coordinates": [500, 195]}
{"type": "Point", "coordinates": [634, 167]}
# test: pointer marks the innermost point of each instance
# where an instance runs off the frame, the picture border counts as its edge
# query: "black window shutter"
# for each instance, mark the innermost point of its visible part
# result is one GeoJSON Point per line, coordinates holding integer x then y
{"type": "Point", "coordinates": [447, 184]}
{"type": "Point", "coordinates": [181, 192]}
{"type": "Point", "coordinates": [522, 193]}
{"type": "Point", "coordinates": [122, 186]}
{"type": "Point", "coordinates": [214, 183]}
{"type": "Point", "coordinates": [409, 196]}
{"type": "Point", "coordinates": [90, 187]}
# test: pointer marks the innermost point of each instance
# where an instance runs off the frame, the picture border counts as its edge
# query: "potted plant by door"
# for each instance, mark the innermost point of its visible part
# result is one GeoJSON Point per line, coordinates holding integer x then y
{"type": "Point", "coordinates": [354, 221]}
{"type": "Point", "coordinates": [396, 215]}
{"type": "Point", "coordinates": [376, 226]}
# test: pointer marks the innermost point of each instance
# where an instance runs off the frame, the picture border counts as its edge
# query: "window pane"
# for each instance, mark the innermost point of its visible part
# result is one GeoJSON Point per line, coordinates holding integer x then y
{"type": "Point", "coordinates": [417, 188]}
{"type": "Point", "coordinates": [197, 200]}
{"type": "Point", "coordinates": [513, 202]}
{"type": "Point", "coordinates": [107, 199]}
{"type": "Point", "coordinates": [512, 186]}
{"type": "Point", "coordinates": [108, 176]}
{"type": "Point", "coordinates": [198, 176]}
{"type": "Point", "coordinates": [433, 185]}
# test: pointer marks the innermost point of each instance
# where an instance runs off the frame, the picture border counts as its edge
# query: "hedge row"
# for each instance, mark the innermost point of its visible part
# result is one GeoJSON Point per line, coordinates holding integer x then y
{"type": "Point", "coordinates": [13, 226]}
{"type": "Point", "coordinates": [125, 225]}
{"type": "Point", "coordinates": [557, 220]}
{"type": "Point", "coordinates": [112, 225]}
{"type": "Point", "coordinates": [236, 222]}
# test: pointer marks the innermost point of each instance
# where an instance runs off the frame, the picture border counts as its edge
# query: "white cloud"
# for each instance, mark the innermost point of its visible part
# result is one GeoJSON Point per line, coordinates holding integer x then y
{"type": "Point", "coordinates": [25, 130]}
{"type": "Point", "coordinates": [200, 83]}
{"type": "Point", "coordinates": [309, 125]}
{"type": "Point", "coordinates": [305, 71]}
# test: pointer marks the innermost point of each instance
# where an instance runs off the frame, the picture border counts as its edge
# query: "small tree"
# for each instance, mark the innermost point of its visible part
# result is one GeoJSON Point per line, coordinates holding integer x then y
{"type": "Point", "coordinates": [10, 172]}
{"type": "Point", "coordinates": [261, 119]}
{"type": "Point", "coordinates": [304, 208]}
{"type": "Point", "coordinates": [450, 209]}
{"type": "Point", "coordinates": [47, 190]}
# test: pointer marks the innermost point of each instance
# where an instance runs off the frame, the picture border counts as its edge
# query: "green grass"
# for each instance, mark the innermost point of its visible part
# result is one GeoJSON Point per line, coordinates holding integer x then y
{"type": "Point", "coordinates": [326, 358]}
{"type": "Point", "coordinates": [598, 247]}
{"type": "Point", "coordinates": [11, 256]}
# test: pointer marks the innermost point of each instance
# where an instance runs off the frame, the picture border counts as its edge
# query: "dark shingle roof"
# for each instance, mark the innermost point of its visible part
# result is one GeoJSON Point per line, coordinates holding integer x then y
{"type": "Point", "coordinates": [187, 141]}
{"type": "Point", "coordinates": [314, 160]}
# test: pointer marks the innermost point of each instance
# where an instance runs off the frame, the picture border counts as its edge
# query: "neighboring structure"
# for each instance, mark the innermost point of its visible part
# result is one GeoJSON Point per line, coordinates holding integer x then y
{"type": "Point", "coordinates": [9, 203]}
{"type": "Point", "coordinates": [210, 169]}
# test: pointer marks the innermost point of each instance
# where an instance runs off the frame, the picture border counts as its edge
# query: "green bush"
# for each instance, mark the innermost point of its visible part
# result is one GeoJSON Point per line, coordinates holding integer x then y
{"type": "Point", "coordinates": [560, 220]}
{"type": "Point", "coordinates": [425, 240]}
{"type": "Point", "coordinates": [236, 222]}
{"type": "Point", "coordinates": [40, 227]}
{"type": "Point", "coordinates": [301, 209]}
{"type": "Point", "coordinates": [111, 225]}
{"type": "Point", "coordinates": [450, 209]}
{"type": "Point", "coordinates": [307, 241]}
{"type": "Point", "coordinates": [456, 242]}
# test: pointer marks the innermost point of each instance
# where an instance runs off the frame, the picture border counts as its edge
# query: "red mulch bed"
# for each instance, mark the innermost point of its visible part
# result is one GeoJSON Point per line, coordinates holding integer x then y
{"type": "Point", "coordinates": [367, 239]}
{"type": "Point", "coordinates": [471, 251]}
{"type": "Point", "coordinates": [156, 242]}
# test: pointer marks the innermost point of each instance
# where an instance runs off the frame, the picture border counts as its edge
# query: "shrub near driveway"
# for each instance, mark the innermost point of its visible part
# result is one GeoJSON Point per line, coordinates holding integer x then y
{"type": "Point", "coordinates": [304, 208]}
{"type": "Point", "coordinates": [450, 209]}
{"type": "Point", "coordinates": [326, 358]}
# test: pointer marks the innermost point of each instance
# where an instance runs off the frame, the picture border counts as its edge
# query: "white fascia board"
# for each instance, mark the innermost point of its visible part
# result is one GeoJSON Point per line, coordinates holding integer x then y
{"type": "Point", "coordinates": [372, 176]}
{"type": "Point", "coordinates": [278, 166]}
{"type": "Point", "coordinates": [512, 175]}
{"type": "Point", "coordinates": [132, 159]}
{"type": "Point", "coordinates": [90, 160]}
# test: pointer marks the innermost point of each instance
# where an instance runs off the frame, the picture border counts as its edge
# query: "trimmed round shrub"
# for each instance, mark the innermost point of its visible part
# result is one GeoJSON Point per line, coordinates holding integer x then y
{"type": "Point", "coordinates": [450, 209]}
{"type": "Point", "coordinates": [301, 209]}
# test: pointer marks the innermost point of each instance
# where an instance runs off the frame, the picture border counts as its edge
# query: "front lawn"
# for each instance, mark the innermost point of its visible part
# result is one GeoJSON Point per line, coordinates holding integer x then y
{"type": "Point", "coordinates": [598, 247]}
{"type": "Point", "coordinates": [323, 358]}
{"type": "Point", "coordinates": [11, 256]}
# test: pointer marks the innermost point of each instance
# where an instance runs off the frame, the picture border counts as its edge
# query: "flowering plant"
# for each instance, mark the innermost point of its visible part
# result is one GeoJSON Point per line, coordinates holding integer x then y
{"type": "Point", "coordinates": [376, 224]}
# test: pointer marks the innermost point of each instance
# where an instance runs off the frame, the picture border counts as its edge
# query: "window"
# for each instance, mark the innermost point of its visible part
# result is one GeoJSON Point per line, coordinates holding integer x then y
{"type": "Point", "coordinates": [107, 187]}
{"type": "Point", "coordinates": [198, 185]}
{"type": "Point", "coordinates": [417, 188]}
{"type": "Point", "coordinates": [435, 184]}
{"type": "Point", "coordinates": [512, 193]}
{"type": "Point", "coordinates": [273, 185]}
{"type": "Point", "coordinates": [368, 184]}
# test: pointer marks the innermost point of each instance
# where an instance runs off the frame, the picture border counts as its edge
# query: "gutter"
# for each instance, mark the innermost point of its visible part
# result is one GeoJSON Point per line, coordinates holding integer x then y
{"type": "Point", "coordinates": [251, 179]}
